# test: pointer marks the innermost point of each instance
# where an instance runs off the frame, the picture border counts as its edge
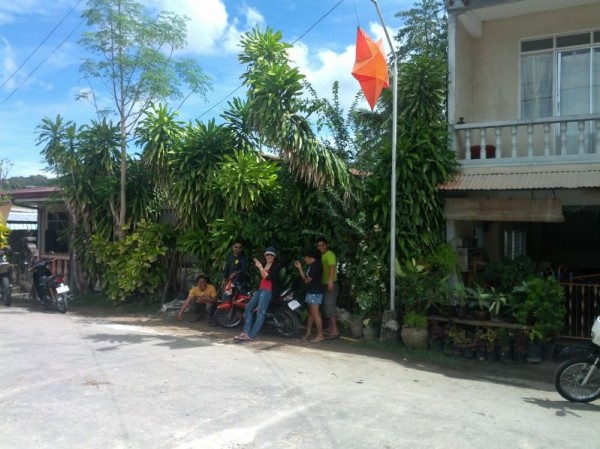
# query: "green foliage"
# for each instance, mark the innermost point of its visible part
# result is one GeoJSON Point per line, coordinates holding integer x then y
{"type": "Point", "coordinates": [506, 273]}
{"type": "Point", "coordinates": [479, 297]}
{"type": "Point", "coordinates": [419, 287]}
{"type": "Point", "coordinates": [158, 133]}
{"type": "Point", "coordinates": [535, 335]}
{"type": "Point", "coordinates": [275, 110]}
{"type": "Point", "coordinates": [367, 274]}
{"type": "Point", "coordinates": [541, 300]}
{"type": "Point", "coordinates": [134, 265]}
{"type": "Point", "coordinates": [244, 180]}
{"type": "Point", "coordinates": [490, 336]}
{"type": "Point", "coordinates": [4, 230]}
{"type": "Point", "coordinates": [424, 30]}
{"type": "Point", "coordinates": [130, 54]}
{"type": "Point", "coordinates": [193, 164]}
{"type": "Point", "coordinates": [415, 320]}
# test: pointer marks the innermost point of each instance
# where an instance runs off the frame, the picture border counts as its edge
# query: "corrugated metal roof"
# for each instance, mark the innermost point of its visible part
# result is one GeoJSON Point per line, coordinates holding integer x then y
{"type": "Point", "coordinates": [572, 176]}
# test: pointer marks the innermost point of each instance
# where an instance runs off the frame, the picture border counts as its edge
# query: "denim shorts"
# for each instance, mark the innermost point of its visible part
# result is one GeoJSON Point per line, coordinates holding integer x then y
{"type": "Point", "coordinates": [314, 299]}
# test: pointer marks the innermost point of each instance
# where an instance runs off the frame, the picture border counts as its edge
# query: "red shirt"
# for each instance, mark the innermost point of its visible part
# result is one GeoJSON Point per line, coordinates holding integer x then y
{"type": "Point", "coordinates": [266, 284]}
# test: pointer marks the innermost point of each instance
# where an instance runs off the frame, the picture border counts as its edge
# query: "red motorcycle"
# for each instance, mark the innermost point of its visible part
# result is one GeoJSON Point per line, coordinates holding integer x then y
{"type": "Point", "coordinates": [282, 313]}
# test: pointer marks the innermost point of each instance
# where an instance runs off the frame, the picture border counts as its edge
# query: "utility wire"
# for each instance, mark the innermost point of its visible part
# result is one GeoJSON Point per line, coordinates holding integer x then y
{"type": "Point", "coordinates": [40, 64]}
{"type": "Point", "coordinates": [40, 44]}
{"type": "Point", "coordinates": [293, 43]}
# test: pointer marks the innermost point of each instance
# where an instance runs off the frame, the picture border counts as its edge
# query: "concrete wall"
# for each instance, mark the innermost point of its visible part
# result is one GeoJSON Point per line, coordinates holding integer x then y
{"type": "Point", "coordinates": [487, 68]}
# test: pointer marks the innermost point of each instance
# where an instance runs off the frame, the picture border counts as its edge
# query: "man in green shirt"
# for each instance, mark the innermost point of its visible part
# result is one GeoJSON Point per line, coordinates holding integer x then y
{"type": "Point", "coordinates": [330, 284]}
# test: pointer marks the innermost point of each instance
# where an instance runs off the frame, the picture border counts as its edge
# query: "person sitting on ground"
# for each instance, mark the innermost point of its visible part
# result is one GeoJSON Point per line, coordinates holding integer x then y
{"type": "Point", "coordinates": [314, 292]}
{"type": "Point", "coordinates": [201, 293]}
{"type": "Point", "coordinates": [257, 306]}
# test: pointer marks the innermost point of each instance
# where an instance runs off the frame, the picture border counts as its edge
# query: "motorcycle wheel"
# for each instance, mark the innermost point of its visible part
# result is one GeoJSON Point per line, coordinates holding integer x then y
{"type": "Point", "coordinates": [62, 302]}
{"type": "Point", "coordinates": [569, 376]}
{"type": "Point", "coordinates": [286, 322]}
{"type": "Point", "coordinates": [228, 317]}
{"type": "Point", "coordinates": [6, 293]}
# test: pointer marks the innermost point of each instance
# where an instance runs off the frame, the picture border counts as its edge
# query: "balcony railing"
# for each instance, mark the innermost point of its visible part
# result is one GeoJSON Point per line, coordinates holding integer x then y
{"type": "Point", "coordinates": [546, 140]}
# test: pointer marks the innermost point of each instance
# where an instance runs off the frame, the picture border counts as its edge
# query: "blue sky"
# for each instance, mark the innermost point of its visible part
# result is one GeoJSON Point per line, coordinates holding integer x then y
{"type": "Point", "coordinates": [49, 80]}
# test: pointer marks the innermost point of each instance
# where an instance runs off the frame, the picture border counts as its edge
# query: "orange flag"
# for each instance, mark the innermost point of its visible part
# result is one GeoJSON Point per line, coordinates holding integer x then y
{"type": "Point", "coordinates": [370, 67]}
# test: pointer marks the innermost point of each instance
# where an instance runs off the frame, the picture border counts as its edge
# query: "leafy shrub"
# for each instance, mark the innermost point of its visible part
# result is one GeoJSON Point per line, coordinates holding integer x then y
{"type": "Point", "coordinates": [134, 265]}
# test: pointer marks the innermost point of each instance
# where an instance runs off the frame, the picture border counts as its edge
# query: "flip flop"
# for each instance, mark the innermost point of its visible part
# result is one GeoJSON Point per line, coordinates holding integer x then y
{"type": "Point", "coordinates": [317, 340]}
{"type": "Point", "coordinates": [242, 337]}
{"type": "Point", "coordinates": [332, 337]}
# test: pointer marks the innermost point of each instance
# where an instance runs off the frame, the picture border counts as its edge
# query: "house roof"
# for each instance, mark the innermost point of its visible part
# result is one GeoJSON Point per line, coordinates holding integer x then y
{"type": "Point", "coordinates": [563, 176]}
{"type": "Point", "coordinates": [31, 196]}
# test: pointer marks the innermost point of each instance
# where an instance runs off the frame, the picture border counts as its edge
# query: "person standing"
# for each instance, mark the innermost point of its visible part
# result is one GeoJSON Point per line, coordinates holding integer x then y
{"type": "Point", "coordinates": [330, 285]}
{"type": "Point", "coordinates": [313, 281]}
{"type": "Point", "coordinates": [201, 293]}
{"type": "Point", "coordinates": [256, 309]}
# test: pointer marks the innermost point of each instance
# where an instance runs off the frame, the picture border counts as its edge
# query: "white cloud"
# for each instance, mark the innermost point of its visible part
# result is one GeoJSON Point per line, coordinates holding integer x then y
{"type": "Point", "coordinates": [7, 59]}
{"type": "Point", "coordinates": [212, 29]}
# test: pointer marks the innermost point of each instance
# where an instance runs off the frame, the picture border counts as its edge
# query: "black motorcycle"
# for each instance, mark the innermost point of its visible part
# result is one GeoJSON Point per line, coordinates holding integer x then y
{"type": "Point", "coordinates": [578, 379]}
{"type": "Point", "coordinates": [5, 275]}
{"type": "Point", "coordinates": [49, 289]}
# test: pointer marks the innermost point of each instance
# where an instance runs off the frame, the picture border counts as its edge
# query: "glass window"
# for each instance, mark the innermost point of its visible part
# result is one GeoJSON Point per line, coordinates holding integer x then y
{"type": "Point", "coordinates": [515, 242]}
{"type": "Point", "coordinates": [538, 44]}
{"type": "Point", "coordinates": [573, 39]}
{"type": "Point", "coordinates": [536, 85]}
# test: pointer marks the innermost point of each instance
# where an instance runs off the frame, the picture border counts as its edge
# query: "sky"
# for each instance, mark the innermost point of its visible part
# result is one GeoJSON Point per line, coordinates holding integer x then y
{"type": "Point", "coordinates": [40, 56]}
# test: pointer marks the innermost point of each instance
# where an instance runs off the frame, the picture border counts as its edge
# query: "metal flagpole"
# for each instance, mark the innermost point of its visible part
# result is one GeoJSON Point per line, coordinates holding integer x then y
{"type": "Point", "coordinates": [394, 131]}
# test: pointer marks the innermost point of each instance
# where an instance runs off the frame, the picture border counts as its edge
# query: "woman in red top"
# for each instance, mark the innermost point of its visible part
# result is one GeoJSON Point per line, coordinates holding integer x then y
{"type": "Point", "coordinates": [256, 310]}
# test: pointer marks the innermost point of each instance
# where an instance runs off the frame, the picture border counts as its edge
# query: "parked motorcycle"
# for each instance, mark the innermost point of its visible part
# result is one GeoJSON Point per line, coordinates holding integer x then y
{"type": "Point", "coordinates": [282, 313]}
{"type": "Point", "coordinates": [49, 289]}
{"type": "Point", "coordinates": [5, 275]}
{"type": "Point", "coordinates": [578, 379]}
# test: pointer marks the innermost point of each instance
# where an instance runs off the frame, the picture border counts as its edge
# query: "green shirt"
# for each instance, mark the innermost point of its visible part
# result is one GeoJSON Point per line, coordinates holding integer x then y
{"type": "Point", "coordinates": [328, 260]}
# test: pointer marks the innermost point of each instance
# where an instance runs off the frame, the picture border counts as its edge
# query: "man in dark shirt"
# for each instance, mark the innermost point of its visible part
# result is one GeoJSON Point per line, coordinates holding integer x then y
{"type": "Point", "coordinates": [235, 265]}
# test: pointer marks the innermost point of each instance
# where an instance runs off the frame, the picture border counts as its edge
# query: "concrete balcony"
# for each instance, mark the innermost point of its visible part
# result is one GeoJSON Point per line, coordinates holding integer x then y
{"type": "Point", "coordinates": [550, 140]}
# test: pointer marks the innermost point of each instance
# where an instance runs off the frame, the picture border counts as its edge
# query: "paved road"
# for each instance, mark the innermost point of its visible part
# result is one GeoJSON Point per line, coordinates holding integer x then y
{"type": "Point", "coordinates": [74, 381]}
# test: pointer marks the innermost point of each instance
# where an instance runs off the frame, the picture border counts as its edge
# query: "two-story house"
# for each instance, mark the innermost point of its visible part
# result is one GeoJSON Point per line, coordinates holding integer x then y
{"type": "Point", "coordinates": [524, 112]}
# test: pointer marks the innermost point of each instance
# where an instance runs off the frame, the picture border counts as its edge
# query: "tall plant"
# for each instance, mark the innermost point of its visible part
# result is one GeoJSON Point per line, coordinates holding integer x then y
{"type": "Point", "coordinates": [132, 56]}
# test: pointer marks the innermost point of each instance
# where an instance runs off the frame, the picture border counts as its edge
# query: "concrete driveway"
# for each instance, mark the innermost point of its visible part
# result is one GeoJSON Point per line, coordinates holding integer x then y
{"type": "Point", "coordinates": [84, 381]}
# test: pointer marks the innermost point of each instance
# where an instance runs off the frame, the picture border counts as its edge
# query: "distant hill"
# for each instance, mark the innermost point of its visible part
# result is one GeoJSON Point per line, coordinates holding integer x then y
{"type": "Point", "coordinates": [23, 182]}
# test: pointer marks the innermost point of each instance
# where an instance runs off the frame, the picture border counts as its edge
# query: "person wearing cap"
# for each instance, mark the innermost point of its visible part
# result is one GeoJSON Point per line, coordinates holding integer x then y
{"type": "Point", "coordinates": [314, 291]}
{"type": "Point", "coordinates": [256, 309]}
{"type": "Point", "coordinates": [201, 293]}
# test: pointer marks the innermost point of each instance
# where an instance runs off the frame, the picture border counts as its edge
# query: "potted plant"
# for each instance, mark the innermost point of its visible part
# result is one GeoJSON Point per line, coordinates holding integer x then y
{"type": "Point", "coordinates": [460, 298]}
{"type": "Point", "coordinates": [479, 301]}
{"type": "Point", "coordinates": [369, 330]}
{"type": "Point", "coordinates": [458, 339]}
{"type": "Point", "coordinates": [356, 325]}
{"type": "Point", "coordinates": [540, 302]}
{"type": "Point", "coordinates": [497, 303]}
{"type": "Point", "coordinates": [490, 337]}
{"type": "Point", "coordinates": [534, 348]}
{"type": "Point", "coordinates": [414, 330]}
{"type": "Point", "coordinates": [504, 345]}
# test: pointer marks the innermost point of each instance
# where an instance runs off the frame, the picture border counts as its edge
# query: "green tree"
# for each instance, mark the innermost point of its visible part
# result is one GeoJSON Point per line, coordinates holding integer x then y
{"type": "Point", "coordinates": [424, 31]}
{"type": "Point", "coordinates": [276, 110]}
{"type": "Point", "coordinates": [132, 57]}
